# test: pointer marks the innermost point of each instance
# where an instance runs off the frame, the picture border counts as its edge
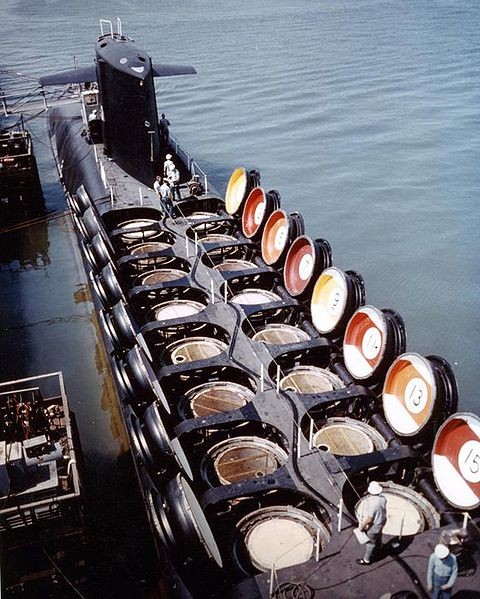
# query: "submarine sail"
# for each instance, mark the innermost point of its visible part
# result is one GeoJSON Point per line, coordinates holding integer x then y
{"type": "Point", "coordinates": [127, 95]}
{"type": "Point", "coordinates": [124, 74]}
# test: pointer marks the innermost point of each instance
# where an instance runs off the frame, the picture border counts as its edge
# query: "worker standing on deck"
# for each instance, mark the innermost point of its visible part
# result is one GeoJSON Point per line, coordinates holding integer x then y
{"type": "Point", "coordinates": [441, 572]}
{"type": "Point", "coordinates": [174, 180]}
{"type": "Point", "coordinates": [163, 125]}
{"type": "Point", "coordinates": [168, 165]}
{"type": "Point", "coordinates": [374, 519]}
{"type": "Point", "coordinates": [156, 184]}
{"type": "Point", "coordinates": [166, 197]}
{"type": "Point", "coordinates": [162, 189]}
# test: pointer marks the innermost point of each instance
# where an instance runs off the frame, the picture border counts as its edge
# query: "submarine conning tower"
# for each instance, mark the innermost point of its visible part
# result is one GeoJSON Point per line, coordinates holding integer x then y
{"type": "Point", "coordinates": [124, 74]}
{"type": "Point", "coordinates": [127, 93]}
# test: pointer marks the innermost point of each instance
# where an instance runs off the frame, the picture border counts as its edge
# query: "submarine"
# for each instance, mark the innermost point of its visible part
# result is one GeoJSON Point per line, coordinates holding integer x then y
{"type": "Point", "coordinates": [261, 393]}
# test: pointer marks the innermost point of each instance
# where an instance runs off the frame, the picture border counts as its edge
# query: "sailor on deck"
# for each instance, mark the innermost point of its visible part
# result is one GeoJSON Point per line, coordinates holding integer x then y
{"type": "Point", "coordinates": [374, 518]}
{"type": "Point", "coordinates": [166, 197]}
{"type": "Point", "coordinates": [162, 188]}
{"type": "Point", "coordinates": [174, 180]}
{"type": "Point", "coordinates": [163, 125]}
{"type": "Point", "coordinates": [168, 165]}
{"type": "Point", "coordinates": [157, 183]}
{"type": "Point", "coordinates": [442, 572]}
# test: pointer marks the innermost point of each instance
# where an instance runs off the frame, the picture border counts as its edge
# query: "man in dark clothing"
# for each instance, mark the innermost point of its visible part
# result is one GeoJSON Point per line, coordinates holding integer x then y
{"type": "Point", "coordinates": [163, 125]}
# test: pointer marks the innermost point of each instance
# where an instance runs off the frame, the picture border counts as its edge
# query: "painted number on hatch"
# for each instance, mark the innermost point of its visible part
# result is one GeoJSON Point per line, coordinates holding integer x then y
{"type": "Point", "coordinates": [335, 301]}
{"type": "Point", "coordinates": [416, 395]}
{"type": "Point", "coordinates": [371, 343]}
{"type": "Point", "coordinates": [469, 461]}
{"type": "Point", "coordinates": [280, 238]}
{"type": "Point", "coordinates": [259, 212]}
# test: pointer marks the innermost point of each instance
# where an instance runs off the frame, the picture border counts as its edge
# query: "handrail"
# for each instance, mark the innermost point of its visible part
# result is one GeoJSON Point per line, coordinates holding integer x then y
{"type": "Point", "coordinates": [18, 104]}
{"type": "Point", "coordinates": [32, 378]}
{"type": "Point", "coordinates": [40, 97]}
{"type": "Point", "coordinates": [102, 21]}
{"type": "Point", "coordinates": [192, 166]}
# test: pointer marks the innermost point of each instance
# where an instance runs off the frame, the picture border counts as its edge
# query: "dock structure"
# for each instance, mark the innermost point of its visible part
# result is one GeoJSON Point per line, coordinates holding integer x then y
{"type": "Point", "coordinates": [41, 515]}
{"type": "Point", "coordinates": [21, 194]}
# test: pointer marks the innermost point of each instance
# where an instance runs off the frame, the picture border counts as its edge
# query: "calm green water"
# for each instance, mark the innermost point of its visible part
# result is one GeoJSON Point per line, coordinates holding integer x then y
{"type": "Point", "coordinates": [363, 114]}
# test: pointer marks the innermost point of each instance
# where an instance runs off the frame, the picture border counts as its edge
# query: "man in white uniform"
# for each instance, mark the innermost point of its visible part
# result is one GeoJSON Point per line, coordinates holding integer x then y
{"type": "Point", "coordinates": [156, 184]}
{"type": "Point", "coordinates": [168, 165]}
{"type": "Point", "coordinates": [174, 180]}
{"type": "Point", "coordinates": [162, 189]}
{"type": "Point", "coordinates": [166, 197]}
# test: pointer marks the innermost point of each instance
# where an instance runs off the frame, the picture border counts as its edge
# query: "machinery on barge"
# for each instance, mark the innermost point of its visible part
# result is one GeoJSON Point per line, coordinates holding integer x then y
{"type": "Point", "coordinates": [260, 391]}
{"type": "Point", "coordinates": [41, 513]}
{"type": "Point", "coordinates": [21, 195]}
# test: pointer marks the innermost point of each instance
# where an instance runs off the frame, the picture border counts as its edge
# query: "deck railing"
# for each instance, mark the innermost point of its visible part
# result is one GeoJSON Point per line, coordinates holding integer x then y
{"type": "Point", "coordinates": [189, 162]}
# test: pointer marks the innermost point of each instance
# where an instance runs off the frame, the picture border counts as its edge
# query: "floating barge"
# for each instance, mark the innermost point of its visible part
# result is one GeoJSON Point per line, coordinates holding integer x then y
{"type": "Point", "coordinates": [21, 195]}
{"type": "Point", "coordinates": [41, 514]}
{"type": "Point", "coordinates": [260, 392]}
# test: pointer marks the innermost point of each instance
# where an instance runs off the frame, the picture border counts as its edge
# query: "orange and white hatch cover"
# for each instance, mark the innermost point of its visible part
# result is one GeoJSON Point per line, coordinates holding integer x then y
{"type": "Point", "coordinates": [409, 394]}
{"type": "Point", "coordinates": [365, 341]}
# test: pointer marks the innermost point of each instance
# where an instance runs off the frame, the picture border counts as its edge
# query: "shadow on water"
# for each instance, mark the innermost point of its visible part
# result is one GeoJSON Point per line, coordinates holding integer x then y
{"type": "Point", "coordinates": [20, 251]}
{"type": "Point", "coordinates": [24, 249]}
{"type": "Point", "coordinates": [120, 552]}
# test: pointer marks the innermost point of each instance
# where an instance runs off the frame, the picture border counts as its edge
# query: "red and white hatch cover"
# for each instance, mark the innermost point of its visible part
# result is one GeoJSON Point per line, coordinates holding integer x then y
{"type": "Point", "coordinates": [254, 212]}
{"type": "Point", "coordinates": [365, 342]}
{"type": "Point", "coordinates": [299, 265]}
{"type": "Point", "coordinates": [275, 236]}
{"type": "Point", "coordinates": [456, 460]}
